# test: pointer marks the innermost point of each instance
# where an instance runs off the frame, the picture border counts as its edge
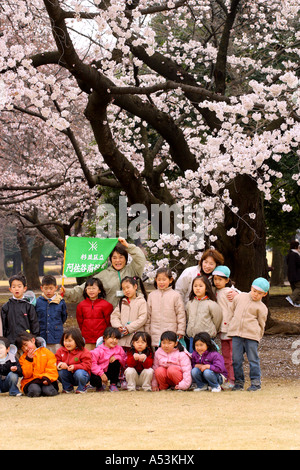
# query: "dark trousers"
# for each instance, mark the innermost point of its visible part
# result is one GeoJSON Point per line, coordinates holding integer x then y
{"type": "Point", "coordinates": [36, 390]}
{"type": "Point", "coordinates": [112, 374]}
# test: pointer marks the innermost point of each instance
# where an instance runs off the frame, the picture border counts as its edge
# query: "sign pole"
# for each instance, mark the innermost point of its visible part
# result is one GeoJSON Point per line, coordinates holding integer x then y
{"type": "Point", "coordinates": [63, 276]}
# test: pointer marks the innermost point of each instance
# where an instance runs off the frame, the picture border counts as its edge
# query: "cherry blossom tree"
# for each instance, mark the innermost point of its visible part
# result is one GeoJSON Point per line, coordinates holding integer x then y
{"type": "Point", "coordinates": [188, 102]}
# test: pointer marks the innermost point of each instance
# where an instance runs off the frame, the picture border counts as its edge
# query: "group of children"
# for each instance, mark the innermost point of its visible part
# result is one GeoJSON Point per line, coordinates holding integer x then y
{"type": "Point", "coordinates": [150, 343]}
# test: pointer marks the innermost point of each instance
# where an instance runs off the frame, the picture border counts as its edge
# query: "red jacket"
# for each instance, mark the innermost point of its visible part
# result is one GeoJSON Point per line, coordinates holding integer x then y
{"type": "Point", "coordinates": [79, 358]}
{"type": "Point", "coordinates": [93, 316]}
{"type": "Point", "coordinates": [138, 365]}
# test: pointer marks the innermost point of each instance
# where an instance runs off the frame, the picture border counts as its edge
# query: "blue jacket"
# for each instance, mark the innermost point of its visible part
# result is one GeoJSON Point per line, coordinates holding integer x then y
{"type": "Point", "coordinates": [52, 315]}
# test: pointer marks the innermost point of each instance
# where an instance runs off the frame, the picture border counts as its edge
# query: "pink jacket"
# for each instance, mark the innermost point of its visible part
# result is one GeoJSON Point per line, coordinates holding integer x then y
{"type": "Point", "coordinates": [176, 358]}
{"type": "Point", "coordinates": [101, 356]}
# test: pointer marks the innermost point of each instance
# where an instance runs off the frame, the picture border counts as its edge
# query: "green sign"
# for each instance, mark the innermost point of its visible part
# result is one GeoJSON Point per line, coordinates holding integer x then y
{"type": "Point", "coordinates": [86, 256]}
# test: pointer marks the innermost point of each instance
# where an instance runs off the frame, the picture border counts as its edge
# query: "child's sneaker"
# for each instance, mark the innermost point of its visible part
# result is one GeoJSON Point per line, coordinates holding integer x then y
{"type": "Point", "coordinates": [200, 389]}
{"type": "Point", "coordinates": [227, 386]}
{"type": "Point", "coordinates": [237, 388]}
{"type": "Point", "coordinates": [113, 388]}
{"type": "Point", "coordinates": [253, 388]}
{"type": "Point", "coordinates": [89, 387]}
{"type": "Point", "coordinates": [216, 389]}
{"type": "Point", "coordinates": [123, 385]}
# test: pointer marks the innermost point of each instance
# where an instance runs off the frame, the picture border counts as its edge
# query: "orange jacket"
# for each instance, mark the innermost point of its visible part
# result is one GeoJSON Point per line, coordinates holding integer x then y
{"type": "Point", "coordinates": [42, 366]}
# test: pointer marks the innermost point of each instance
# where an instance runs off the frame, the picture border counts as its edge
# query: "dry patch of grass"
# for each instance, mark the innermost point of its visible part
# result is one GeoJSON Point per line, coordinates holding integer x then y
{"type": "Point", "coordinates": [268, 419]}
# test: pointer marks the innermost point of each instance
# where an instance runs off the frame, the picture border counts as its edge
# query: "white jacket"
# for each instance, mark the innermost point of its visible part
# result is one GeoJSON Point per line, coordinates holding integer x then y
{"type": "Point", "coordinates": [185, 281]}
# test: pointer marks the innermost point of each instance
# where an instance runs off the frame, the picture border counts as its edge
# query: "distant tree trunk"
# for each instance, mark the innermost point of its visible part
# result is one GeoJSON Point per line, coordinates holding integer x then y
{"type": "Point", "coordinates": [31, 257]}
{"type": "Point", "coordinates": [2, 255]}
{"type": "Point", "coordinates": [277, 277]}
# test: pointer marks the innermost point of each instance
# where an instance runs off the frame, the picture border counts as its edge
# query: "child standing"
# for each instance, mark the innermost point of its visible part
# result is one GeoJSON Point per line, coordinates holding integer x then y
{"type": "Point", "coordinates": [38, 366]}
{"type": "Point", "coordinates": [203, 312]}
{"type": "Point", "coordinates": [10, 369]}
{"type": "Point", "coordinates": [165, 308]}
{"type": "Point", "coordinates": [131, 313]}
{"type": "Point", "coordinates": [246, 327]}
{"type": "Point", "coordinates": [17, 314]}
{"type": "Point", "coordinates": [222, 283]}
{"type": "Point", "coordinates": [52, 313]}
{"type": "Point", "coordinates": [74, 361]}
{"type": "Point", "coordinates": [172, 364]}
{"type": "Point", "coordinates": [107, 359]}
{"type": "Point", "coordinates": [139, 361]}
{"type": "Point", "coordinates": [208, 365]}
{"type": "Point", "coordinates": [93, 313]}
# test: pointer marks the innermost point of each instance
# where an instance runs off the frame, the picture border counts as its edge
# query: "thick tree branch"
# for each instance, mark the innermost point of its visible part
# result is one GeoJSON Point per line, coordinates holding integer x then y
{"type": "Point", "coordinates": [124, 170]}
{"type": "Point", "coordinates": [173, 72]}
{"type": "Point", "coordinates": [160, 121]}
{"type": "Point", "coordinates": [221, 62]}
{"type": "Point", "coordinates": [166, 86]}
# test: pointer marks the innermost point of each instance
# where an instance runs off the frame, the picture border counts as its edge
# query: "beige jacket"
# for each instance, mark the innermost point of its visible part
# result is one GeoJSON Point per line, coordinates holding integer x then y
{"type": "Point", "coordinates": [248, 317]}
{"type": "Point", "coordinates": [203, 315]}
{"type": "Point", "coordinates": [110, 278]}
{"type": "Point", "coordinates": [225, 305]}
{"type": "Point", "coordinates": [133, 316]}
{"type": "Point", "coordinates": [165, 313]}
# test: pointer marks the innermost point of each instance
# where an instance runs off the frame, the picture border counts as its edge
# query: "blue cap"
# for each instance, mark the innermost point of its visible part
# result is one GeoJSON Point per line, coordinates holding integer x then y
{"type": "Point", "coordinates": [223, 271]}
{"type": "Point", "coordinates": [261, 284]}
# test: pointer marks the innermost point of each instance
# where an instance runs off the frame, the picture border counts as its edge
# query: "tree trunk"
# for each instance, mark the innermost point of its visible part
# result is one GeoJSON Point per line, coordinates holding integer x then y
{"type": "Point", "coordinates": [244, 253]}
{"type": "Point", "coordinates": [30, 258]}
{"type": "Point", "coordinates": [275, 327]}
{"type": "Point", "coordinates": [2, 254]}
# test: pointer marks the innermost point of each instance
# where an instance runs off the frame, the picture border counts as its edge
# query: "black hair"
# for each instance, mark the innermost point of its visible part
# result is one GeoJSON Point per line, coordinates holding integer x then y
{"type": "Point", "coordinates": [135, 281]}
{"type": "Point", "coordinates": [24, 337]}
{"type": "Point", "coordinates": [5, 341]}
{"type": "Point", "coordinates": [228, 284]}
{"type": "Point", "coordinates": [208, 288]}
{"type": "Point", "coordinates": [48, 280]}
{"type": "Point", "coordinates": [205, 338]}
{"type": "Point", "coordinates": [171, 336]}
{"type": "Point", "coordinates": [111, 332]}
{"type": "Point", "coordinates": [215, 254]}
{"type": "Point", "coordinates": [168, 273]}
{"type": "Point", "coordinates": [294, 245]}
{"type": "Point", "coordinates": [75, 333]}
{"type": "Point", "coordinates": [119, 248]}
{"type": "Point", "coordinates": [90, 282]}
{"type": "Point", "coordinates": [18, 277]}
{"type": "Point", "coordinates": [145, 336]}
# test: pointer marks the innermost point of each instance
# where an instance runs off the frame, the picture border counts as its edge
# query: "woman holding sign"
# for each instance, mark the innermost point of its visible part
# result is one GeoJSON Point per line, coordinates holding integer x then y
{"type": "Point", "coordinates": [112, 276]}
